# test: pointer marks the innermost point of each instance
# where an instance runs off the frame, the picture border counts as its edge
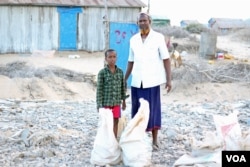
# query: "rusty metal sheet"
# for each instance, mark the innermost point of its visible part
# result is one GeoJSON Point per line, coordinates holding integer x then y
{"type": "Point", "coordinates": [111, 3]}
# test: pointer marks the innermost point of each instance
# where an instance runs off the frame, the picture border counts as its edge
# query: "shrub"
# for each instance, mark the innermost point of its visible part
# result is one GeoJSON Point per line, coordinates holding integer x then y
{"type": "Point", "coordinates": [196, 28]}
{"type": "Point", "coordinates": [176, 32]}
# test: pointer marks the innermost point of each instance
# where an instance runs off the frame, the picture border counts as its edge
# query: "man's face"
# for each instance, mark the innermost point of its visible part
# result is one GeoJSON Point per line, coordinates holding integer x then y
{"type": "Point", "coordinates": [143, 22]}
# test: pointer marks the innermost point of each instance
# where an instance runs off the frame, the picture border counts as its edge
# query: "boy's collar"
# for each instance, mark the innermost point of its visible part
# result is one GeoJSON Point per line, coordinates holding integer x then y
{"type": "Point", "coordinates": [107, 66]}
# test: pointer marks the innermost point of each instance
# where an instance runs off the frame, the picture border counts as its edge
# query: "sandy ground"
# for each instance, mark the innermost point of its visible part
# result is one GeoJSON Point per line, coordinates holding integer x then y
{"type": "Point", "coordinates": [57, 88]}
{"type": "Point", "coordinates": [71, 76]}
{"type": "Point", "coordinates": [51, 88]}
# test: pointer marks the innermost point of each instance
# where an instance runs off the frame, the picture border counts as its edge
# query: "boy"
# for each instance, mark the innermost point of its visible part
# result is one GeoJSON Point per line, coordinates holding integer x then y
{"type": "Point", "coordinates": [111, 88]}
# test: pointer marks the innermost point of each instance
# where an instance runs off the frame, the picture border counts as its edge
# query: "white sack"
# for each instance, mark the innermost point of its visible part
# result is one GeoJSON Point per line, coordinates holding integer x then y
{"type": "Point", "coordinates": [245, 140]}
{"type": "Point", "coordinates": [135, 143]}
{"type": "Point", "coordinates": [123, 121]}
{"type": "Point", "coordinates": [211, 143]}
{"type": "Point", "coordinates": [229, 131]}
{"type": "Point", "coordinates": [209, 160]}
{"type": "Point", "coordinates": [106, 150]}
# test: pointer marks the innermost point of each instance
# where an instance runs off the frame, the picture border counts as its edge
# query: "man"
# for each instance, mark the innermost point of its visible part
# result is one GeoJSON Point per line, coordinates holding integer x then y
{"type": "Point", "coordinates": [149, 62]}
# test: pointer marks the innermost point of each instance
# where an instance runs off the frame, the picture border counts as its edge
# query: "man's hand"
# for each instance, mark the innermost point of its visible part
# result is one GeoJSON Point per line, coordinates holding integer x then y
{"type": "Point", "coordinates": [168, 87]}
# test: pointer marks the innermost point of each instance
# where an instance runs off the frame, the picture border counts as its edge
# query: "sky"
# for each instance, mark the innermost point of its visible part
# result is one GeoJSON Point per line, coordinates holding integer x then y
{"type": "Point", "coordinates": [200, 10]}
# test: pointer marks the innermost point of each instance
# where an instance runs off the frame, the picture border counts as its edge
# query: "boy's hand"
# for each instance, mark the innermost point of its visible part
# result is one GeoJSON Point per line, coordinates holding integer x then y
{"type": "Point", "coordinates": [126, 86]}
{"type": "Point", "coordinates": [123, 105]}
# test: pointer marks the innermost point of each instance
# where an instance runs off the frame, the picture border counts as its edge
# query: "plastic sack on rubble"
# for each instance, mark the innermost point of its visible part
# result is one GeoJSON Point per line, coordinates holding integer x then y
{"type": "Point", "coordinates": [209, 144]}
{"type": "Point", "coordinates": [245, 141]}
{"type": "Point", "coordinates": [205, 153]}
{"type": "Point", "coordinates": [229, 131]}
{"type": "Point", "coordinates": [106, 150]}
{"type": "Point", "coordinates": [135, 143]}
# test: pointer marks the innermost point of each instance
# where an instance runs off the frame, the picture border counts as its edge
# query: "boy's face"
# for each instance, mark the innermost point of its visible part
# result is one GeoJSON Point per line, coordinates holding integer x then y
{"type": "Point", "coordinates": [111, 58]}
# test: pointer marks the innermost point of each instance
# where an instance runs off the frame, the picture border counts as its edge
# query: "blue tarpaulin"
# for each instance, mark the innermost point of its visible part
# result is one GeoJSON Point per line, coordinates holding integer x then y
{"type": "Point", "coordinates": [120, 34]}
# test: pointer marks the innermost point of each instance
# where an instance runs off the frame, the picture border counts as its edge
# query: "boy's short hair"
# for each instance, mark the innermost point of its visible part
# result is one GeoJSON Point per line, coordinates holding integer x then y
{"type": "Point", "coordinates": [109, 50]}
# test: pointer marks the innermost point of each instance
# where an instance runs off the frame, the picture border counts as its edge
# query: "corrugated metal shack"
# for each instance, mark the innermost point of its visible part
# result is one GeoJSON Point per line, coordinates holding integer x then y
{"type": "Point", "coordinates": [160, 21]}
{"type": "Point", "coordinates": [28, 25]}
{"type": "Point", "coordinates": [185, 23]}
{"type": "Point", "coordinates": [225, 25]}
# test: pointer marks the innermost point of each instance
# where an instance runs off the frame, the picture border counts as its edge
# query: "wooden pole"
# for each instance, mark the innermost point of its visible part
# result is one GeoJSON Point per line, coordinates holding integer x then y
{"type": "Point", "coordinates": [148, 6]}
{"type": "Point", "coordinates": [106, 26]}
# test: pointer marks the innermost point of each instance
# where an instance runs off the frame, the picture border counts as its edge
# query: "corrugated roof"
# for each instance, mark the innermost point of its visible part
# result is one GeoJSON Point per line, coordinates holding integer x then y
{"type": "Point", "coordinates": [190, 22]}
{"type": "Point", "coordinates": [110, 3]}
{"type": "Point", "coordinates": [159, 17]}
{"type": "Point", "coordinates": [227, 22]}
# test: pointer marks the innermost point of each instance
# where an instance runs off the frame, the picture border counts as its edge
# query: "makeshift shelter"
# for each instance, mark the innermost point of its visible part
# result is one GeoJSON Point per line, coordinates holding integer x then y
{"type": "Point", "coordinates": [29, 25]}
{"type": "Point", "coordinates": [224, 25]}
{"type": "Point", "coordinates": [160, 20]}
{"type": "Point", "coordinates": [185, 23]}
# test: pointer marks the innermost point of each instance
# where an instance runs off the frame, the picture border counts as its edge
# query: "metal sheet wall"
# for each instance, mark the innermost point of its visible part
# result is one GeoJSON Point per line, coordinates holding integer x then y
{"type": "Point", "coordinates": [92, 28]}
{"type": "Point", "coordinates": [95, 3]}
{"type": "Point", "coordinates": [24, 29]}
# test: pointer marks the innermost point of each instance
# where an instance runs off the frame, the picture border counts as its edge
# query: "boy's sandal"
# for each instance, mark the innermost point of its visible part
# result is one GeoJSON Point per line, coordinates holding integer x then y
{"type": "Point", "coordinates": [155, 147]}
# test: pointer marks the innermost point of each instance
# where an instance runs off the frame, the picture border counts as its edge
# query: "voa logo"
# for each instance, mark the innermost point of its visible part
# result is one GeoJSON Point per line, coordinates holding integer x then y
{"type": "Point", "coordinates": [236, 158]}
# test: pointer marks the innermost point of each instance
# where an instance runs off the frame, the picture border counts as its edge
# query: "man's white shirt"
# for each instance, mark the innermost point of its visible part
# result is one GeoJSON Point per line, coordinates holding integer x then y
{"type": "Point", "coordinates": [148, 58]}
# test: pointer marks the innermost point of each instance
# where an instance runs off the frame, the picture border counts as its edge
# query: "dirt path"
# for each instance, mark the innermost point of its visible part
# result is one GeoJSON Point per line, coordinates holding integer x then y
{"type": "Point", "coordinates": [70, 76]}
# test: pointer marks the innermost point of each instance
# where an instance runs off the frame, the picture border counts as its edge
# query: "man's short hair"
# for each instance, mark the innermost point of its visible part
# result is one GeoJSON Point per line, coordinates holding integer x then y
{"type": "Point", "coordinates": [144, 13]}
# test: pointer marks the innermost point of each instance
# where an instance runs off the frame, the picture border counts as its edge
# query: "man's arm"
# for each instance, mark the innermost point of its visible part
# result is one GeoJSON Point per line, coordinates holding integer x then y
{"type": "Point", "coordinates": [167, 66]}
{"type": "Point", "coordinates": [129, 70]}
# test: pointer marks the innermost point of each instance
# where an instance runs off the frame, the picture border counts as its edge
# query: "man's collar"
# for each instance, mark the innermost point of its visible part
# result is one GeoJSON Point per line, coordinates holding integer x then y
{"type": "Point", "coordinates": [145, 32]}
